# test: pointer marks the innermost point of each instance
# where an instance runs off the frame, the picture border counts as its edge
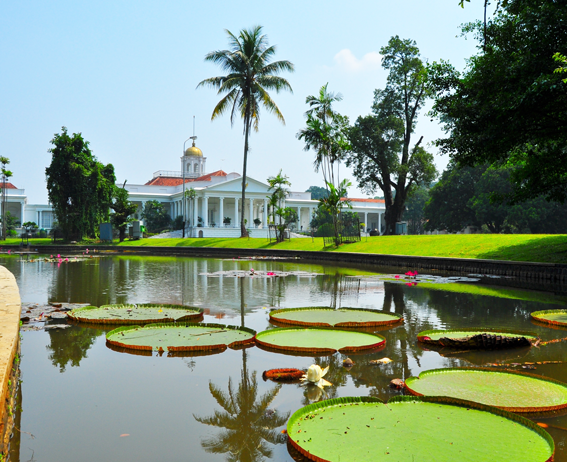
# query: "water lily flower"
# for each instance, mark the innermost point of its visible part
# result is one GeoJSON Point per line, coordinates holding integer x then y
{"type": "Point", "coordinates": [58, 256]}
{"type": "Point", "coordinates": [51, 256]}
{"type": "Point", "coordinates": [87, 250]}
{"type": "Point", "coordinates": [315, 376]}
{"type": "Point", "coordinates": [384, 360]}
{"type": "Point", "coordinates": [397, 276]}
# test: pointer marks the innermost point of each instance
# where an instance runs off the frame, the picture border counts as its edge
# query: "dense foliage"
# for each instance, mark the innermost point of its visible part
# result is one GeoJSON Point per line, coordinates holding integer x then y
{"type": "Point", "coordinates": [79, 187]}
{"type": "Point", "coordinates": [317, 192]}
{"type": "Point", "coordinates": [123, 209]}
{"type": "Point", "coordinates": [508, 108]}
{"type": "Point", "coordinates": [383, 156]}
{"type": "Point", "coordinates": [466, 197]}
{"type": "Point", "coordinates": [155, 217]}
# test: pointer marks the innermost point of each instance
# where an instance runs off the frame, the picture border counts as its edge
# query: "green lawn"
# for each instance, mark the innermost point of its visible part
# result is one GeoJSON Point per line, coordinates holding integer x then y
{"type": "Point", "coordinates": [518, 247]}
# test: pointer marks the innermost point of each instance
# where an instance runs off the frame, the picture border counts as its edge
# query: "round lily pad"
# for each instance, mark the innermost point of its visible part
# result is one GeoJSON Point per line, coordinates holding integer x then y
{"type": "Point", "coordinates": [508, 390]}
{"type": "Point", "coordinates": [318, 341]}
{"type": "Point", "coordinates": [180, 337]}
{"type": "Point", "coordinates": [555, 317]}
{"type": "Point", "coordinates": [135, 314]}
{"type": "Point", "coordinates": [478, 338]}
{"type": "Point", "coordinates": [415, 429]}
{"type": "Point", "coordinates": [329, 317]}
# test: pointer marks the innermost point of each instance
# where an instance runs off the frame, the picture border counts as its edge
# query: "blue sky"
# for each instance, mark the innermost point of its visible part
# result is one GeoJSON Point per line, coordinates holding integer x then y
{"type": "Point", "coordinates": [124, 74]}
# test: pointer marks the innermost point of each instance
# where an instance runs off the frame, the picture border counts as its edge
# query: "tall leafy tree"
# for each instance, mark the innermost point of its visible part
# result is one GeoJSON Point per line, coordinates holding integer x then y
{"type": "Point", "coordinates": [155, 216]}
{"type": "Point", "coordinates": [250, 75]}
{"type": "Point", "coordinates": [123, 209]}
{"type": "Point", "coordinates": [383, 155]}
{"type": "Point", "coordinates": [414, 214]}
{"type": "Point", "coordinates": [508, 107]}
{"type": "Point", "coordinates": [79, 187]}
{"type": "Point", "coordinates": [325, 133]}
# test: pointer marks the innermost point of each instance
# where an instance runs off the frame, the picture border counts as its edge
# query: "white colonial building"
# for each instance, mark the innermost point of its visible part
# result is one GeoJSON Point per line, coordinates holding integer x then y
{"type": "Point", "coordinates": [217, 201]}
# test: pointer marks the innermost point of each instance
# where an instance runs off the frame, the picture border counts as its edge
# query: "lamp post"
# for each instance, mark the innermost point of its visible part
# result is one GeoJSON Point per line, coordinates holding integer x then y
{"type": "Point", "coordinates": [183, 173]}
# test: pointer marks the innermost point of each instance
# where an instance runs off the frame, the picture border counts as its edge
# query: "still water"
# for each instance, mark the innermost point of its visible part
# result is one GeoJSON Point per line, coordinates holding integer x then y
{"type": "Point", "coordinates": [81, 401]}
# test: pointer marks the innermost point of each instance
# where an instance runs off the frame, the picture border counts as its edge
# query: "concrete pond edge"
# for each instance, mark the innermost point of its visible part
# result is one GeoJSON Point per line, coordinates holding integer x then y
{"type": "Point", "coordinates": [10, 308]}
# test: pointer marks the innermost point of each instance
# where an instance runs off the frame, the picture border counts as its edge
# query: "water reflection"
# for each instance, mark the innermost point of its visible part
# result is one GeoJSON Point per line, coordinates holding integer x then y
{"type": "Point", "coordinates": [248, 424]}
{"type": "Point", "coordinates": [246, 427]}
{"type": "Point", "coordinates": [70, 346]}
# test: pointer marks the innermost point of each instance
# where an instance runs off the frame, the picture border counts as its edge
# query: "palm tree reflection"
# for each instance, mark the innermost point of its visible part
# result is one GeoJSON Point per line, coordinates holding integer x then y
{"type": "Point", "coordinates": [247, 422]}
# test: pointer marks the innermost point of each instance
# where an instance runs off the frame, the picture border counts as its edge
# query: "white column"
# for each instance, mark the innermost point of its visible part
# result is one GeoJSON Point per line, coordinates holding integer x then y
{"type": "Point", "coordinates": [380, 224]}
{"type": "Point", "coordinates": [206, 211]}
{"type": "Point", "coordinates": [22, 213]}
{"type": "Point", "coordinates": [251, 213]}
{"type": "Point", "coordinates": [236, 220]}
{"type": "Point", "coordinates": [310, 215]}
{"type": "Point", "coordinates": [195, 211]}
{"type": "Point", "coordinates": [265, 216]}
{"type": "Point", "coordinates": [365, 221]}
{"type": "Point", "coordinates": [221, 212]}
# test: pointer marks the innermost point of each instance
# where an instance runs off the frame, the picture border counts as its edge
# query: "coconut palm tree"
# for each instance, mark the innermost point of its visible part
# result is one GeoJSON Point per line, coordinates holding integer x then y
{"type": "Point", "coordinates": [325, 132]}
{"type": "Point", "coordinates": [250, 75]}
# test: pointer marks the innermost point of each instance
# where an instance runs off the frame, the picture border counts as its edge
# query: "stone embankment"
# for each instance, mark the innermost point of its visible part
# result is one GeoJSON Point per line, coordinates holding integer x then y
{"type": "Point", "coordinates": [10, 306]}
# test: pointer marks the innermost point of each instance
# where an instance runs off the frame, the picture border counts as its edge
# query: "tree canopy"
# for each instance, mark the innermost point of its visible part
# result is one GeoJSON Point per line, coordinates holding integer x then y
{"type": "Point", "coordinates": [476, 196]}
{"type": "Point", "coordinates": [250, 76]}
{"type": "Point", "coordinates": [317, 192]}
{"type": "Point", "coordinates": [78, 186]}
{"type": "Point", "coordinates": [383, 156]}
{"type": "Point", "coordinates": [508, 107]}
{"type": "Point", "coordinates": [123, 209]}
{"type": "Point", "coordinates": [155, 217]}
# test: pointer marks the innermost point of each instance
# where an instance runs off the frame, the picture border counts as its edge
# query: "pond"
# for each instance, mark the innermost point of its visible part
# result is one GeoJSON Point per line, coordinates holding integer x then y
{"type": "Point", "coordinates": [81, 401]}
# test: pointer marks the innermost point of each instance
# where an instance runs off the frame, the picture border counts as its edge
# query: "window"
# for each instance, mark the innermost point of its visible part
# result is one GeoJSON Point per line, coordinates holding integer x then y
{"type": "Point", "coordinates": [196, 168]}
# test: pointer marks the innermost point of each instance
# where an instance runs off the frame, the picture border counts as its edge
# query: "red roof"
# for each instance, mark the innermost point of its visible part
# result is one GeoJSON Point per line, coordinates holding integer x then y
{"type": "Point", "coordinates": [8, 185]}
{"type": "Point", "coordinates": [175, 181]}
{"type": "Point", "coordinates": [377, 201]}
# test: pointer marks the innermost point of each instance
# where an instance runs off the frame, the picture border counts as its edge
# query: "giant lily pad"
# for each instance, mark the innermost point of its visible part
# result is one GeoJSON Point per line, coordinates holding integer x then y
{"type": "Point", "coordinates": [329, 317]}
{"type": "Point", "coordinates": [180, 337]}
{"type": "Point", "coordinates": [427, 429]}
{"type": "Point", "coordinates": [554, 317]}
{"type": "Point", "coordinates": [478, 338]}
{"type": "Point", "coordinates": [135, 314]}
{"type": "Point", "coordinates": [508, 390]}
{"type": "Point", "coordinates": [318, 341]}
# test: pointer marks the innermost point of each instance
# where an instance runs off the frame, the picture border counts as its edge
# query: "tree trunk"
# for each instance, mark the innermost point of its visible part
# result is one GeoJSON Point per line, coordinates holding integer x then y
{"type": "Point", "coordinates": [243, 232]}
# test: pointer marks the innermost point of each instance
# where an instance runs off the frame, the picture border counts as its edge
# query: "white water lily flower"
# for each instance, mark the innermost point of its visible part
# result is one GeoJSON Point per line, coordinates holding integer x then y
{"type": "Point", "coordinates": [315, 375]}
{"type": "Point", "coordinates": [384, 360]}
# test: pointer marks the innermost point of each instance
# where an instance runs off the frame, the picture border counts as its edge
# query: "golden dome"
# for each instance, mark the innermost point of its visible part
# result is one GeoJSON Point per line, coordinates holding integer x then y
{"type": "Point", "coordinates": [194, 151]}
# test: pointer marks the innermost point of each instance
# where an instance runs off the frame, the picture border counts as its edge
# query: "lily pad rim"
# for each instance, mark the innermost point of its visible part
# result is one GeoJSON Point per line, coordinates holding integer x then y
{"type": "Point", "coordinates": [232, 345]}
{"type": "Point", "coordinates": [536, 315]}
{"type": "Point", "coordinates": [514, 409]}
{"type": "Point", "coordinates": [316, 350]}
{"type": "Point", "coordinates": [398, 318]}
{"type": "Point", "coordinates": [412, 399]}
{"type": "Point", "coordinates": [520, 333]}
{"type": "Point", "coordinates": [273, 315]}
{"type": "Point", "coordinates": [75, 313]}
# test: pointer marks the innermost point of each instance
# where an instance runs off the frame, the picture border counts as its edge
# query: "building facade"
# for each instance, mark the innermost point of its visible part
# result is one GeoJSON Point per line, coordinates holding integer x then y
{"type": "Point", "coordinates": [217, 206]}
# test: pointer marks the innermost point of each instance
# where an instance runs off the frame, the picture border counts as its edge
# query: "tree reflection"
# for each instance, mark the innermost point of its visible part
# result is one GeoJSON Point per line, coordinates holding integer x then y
{"type": "Point", "coordinates": [248, 425]}
{"type": "Point", "coordinates": [70, 346]}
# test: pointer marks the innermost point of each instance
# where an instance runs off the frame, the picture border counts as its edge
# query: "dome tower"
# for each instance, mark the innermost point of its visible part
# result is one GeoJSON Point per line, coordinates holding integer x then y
{"type": "Point", "coordinates": [193, 163]}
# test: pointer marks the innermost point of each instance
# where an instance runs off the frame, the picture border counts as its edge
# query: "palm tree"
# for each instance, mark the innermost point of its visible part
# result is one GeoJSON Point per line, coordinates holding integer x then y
{"type": "Point", "coordinates": [325, 132]}
{"type": "Point", "coordinates": [249, 426]}
{"type": "Point", "coordinates": [250, 75]}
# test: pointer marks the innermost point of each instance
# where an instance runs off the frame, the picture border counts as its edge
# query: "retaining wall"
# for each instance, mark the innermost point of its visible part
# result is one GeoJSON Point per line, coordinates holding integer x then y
{"type": "Point", "coordinates": [10, 308]}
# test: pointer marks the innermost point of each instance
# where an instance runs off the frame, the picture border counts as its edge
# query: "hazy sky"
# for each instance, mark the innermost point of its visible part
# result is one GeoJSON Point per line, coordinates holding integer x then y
{"type": "Point", "coordinates": [124, 74]}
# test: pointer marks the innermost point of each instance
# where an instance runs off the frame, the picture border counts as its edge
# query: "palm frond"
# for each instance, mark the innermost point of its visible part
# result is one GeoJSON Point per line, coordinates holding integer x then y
{"type": "Point", "coordinates": [224, 103]}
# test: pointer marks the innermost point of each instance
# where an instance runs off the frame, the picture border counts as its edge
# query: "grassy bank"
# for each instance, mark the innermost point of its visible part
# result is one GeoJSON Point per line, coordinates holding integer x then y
{"type": "Point", "coordinates": [517, 247]}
